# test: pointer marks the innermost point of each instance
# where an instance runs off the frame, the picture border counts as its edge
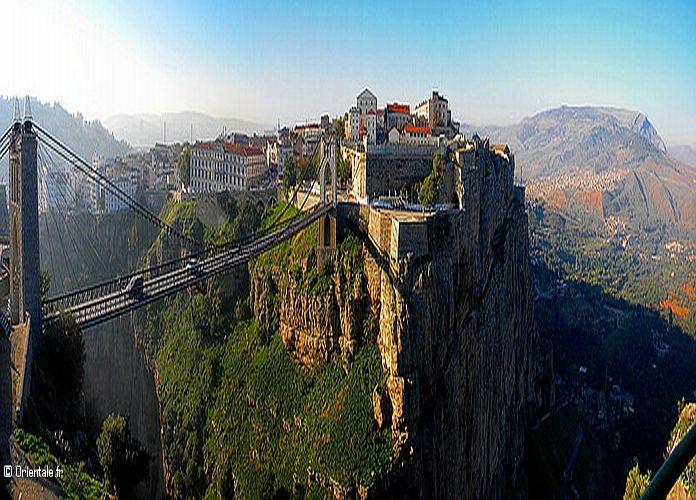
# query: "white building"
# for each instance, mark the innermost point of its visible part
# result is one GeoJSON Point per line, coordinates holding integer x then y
{"type": "Point", "coordinates": [434, 111]}
{"type": "Point", "coordinates": [362, 119]}
{"type": "Point", "coordinates": [352, 124]}
{"type": "Point", "coordinates": [371, 127]}
{"type": "Point", "coordinates": [397, 116]}
{"type": "Point", "coordinates": [113, 202]}
{"type": "Point", "coordinates": [366, 101]}
{"type": "Point", "coordinates": [413, 135]}
{"type": "Point", "coordinates": [418, 136]}
{"type": "Point", "coordinates": [220, 166]}
{"type": "Point", "coordinates": [277, 150]}
{"type": "Point", "coordinates": [309, 134]}
{"type": "Point", "coordinates": [55, 189]}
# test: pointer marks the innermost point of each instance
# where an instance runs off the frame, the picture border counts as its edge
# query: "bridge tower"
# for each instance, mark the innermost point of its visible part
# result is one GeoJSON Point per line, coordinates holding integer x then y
{"type": "Point", "coordinates": [25, 295]}
{"type": "Point", "coordinates": [327, 223]}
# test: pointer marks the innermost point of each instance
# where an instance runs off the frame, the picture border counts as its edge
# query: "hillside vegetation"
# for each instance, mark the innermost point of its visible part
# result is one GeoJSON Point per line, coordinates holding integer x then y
{"type": "Point", "coordinates": [84, 137]}
{"type": "Point", "coordinates": [241, 418]}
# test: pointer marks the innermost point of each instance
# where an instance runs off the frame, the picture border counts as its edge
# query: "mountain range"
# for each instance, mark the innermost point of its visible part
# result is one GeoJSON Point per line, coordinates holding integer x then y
{"type": "Point", "coordinates": [683, 153]}
{"type": "Point", "coordinates": [605, 161]}
{"type": "Point", "coordinates": [144, 130]}
{"type": "Point", "coordinates": [86, 138]}
{"type": "Point", "coordinates": [609, 162]}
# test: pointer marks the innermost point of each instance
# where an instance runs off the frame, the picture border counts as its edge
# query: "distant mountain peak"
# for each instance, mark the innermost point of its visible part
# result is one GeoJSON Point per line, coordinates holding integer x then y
{"type": "Point", "coordinates": [642, 126]}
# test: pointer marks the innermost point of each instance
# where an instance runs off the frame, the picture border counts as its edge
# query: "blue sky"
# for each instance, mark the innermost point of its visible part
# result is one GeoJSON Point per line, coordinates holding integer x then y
{"type": "Point", "coordinates": [290, 61]}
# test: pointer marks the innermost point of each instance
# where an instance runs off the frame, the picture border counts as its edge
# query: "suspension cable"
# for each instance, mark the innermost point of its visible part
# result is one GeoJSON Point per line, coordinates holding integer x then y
{"type": "Point", "coordinates": [68, 263]}
{"type": "Point", "coordinates": [66, 201]}
{"type": "Point", "coordinates": [171, 264]}
{"type": "Point", "coordinates": [71, 157]}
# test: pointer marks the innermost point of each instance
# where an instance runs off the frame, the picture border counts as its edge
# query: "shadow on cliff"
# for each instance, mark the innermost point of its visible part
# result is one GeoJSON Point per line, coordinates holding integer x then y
{"type": "Point", "coordinates": [620, 372]}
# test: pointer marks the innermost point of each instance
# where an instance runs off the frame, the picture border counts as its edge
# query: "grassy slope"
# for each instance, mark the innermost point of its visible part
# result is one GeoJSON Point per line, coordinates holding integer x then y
{"type": "Point", "coordinates": [237, 410]}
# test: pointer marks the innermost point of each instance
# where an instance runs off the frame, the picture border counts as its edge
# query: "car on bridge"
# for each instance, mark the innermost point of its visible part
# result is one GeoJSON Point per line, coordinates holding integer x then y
{"type": "Point", "coordinates": [193, 266]}
{"type": "Point", "coordinates": [134, 288]}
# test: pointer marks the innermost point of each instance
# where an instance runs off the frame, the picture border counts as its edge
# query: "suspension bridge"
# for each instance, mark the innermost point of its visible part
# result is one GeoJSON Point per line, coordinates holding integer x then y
{"type": "Point", "coordinates": [29, 145]}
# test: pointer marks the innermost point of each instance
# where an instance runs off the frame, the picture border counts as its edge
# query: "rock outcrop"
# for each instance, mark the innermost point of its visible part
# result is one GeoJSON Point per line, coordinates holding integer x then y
{"type": "Point", "coordinates": [319, 318]}
{"type": "Point", "coordinates": [457, 336]}
{"type": "Point", "coordinates": [464, 363]}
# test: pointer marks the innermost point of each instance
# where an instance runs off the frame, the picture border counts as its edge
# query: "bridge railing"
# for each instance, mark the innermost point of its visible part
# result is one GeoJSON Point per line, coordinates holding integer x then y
{"type": "Point", "coordinates": [119, 300]}
{"type": "Point", "coordinates": [87, 294]}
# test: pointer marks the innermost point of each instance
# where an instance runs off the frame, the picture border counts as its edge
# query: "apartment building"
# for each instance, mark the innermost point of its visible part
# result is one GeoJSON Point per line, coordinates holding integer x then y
{"type": "Point", "coordinates": [218, 166]}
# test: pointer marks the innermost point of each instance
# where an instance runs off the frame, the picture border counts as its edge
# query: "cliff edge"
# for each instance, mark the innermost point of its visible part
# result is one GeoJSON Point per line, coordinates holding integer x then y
{"type": "Point", "coordinates": [464, 364]}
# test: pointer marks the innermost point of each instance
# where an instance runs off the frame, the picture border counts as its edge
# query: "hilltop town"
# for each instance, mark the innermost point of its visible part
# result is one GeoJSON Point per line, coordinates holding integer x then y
{"type": "Point", "coordinates": [386, 152]}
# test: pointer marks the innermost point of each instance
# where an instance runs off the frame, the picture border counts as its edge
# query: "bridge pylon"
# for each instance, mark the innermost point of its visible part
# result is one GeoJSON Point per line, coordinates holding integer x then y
{"type": "Point", "coordinates": [327, 223]}
{"type": "Point", "coordinates": [25, 294]}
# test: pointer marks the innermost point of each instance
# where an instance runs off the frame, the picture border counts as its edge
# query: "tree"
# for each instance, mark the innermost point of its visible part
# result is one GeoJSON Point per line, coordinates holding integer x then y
{"type": "Point", "coordinates": [44, 284]}
{"type": "Point", "coordinates": [184, 166]}
{"type": "Point", "coordinates": [342, 170]}
{"type": "Point", "coordinates": [289, 173]}
{"type": "Point", "coordinates": [433, 182]}
{"type": "Point", "coordinates": [123, 459]}
{"type": "Point", "coordinates": [636, 483]}
{"type": "Point", "coordinates": [59, 366]}
{"type": "Point", "coordinates": [339, 127]}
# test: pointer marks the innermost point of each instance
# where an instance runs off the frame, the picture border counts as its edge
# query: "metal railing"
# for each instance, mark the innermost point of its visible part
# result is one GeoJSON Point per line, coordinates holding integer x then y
{"type": "Point", "coordinates": [120, 301]}
{"type": "Point", "coordinates": [666, 477]}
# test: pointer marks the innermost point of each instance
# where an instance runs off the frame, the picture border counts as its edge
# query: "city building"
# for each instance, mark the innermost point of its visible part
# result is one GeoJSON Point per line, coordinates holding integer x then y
{"type": "Point", "coordinates": [55, 189]}
{"type": "Point", "coordinates": [370, 124]}
{"type": "Point", "coordinates": [309, 136]}
{"type": "Point", "coordinates": [162, 172]}
{"type": "Point", "coordinates": [277, 150]}
{"type": "Point", "coordinates": [352, 124]}
{"type": "Point", "coordinates": [397, 116]}
{"type": "Point", "coordinates": [364, 119]}
{"type": "Point", "coordinates": [366, 101]}
{"type": "Point", "coordinates": [114, 202]}
{"type": "Point", "coordinates": [434, 112]}
{"type": "Point", "coordinates": [220, 166]}
{"type": "Point", "coordinates": [414, 134]}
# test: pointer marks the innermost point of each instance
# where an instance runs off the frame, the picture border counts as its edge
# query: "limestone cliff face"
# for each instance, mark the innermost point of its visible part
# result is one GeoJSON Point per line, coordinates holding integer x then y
{"type": "Point", "coordinates": [457, 336]}
{"type": "Point", "coordinates": [316, 325]}
{"type": "Point", "coordinates": [118, 380]}
{"type": "Point", "coordinates": [465, 365]}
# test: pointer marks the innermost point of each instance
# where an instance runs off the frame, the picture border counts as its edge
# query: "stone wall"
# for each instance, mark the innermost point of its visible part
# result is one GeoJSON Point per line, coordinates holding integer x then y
{"type": "Point", "coordinates": [408, 237]}
{"type": "Point", "coordinates": [388, 168]}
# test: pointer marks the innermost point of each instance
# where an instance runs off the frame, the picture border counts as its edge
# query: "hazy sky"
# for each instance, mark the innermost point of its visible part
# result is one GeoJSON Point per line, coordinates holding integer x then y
{"type": "Point", "coordinates": [277, 60]}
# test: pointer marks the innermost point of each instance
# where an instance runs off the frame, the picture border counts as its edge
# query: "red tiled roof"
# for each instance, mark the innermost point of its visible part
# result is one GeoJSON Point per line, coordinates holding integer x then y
{"type": "Point", "coordinates": [416, 130]}
{"type": "Point", "coordinates": [399, 108]}
{"type": "Point", "coordinates": [235, 149]}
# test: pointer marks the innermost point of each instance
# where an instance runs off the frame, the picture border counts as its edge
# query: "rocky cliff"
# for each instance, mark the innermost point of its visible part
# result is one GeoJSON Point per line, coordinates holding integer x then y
{"type": "Point", "coordinates": [455, 330]}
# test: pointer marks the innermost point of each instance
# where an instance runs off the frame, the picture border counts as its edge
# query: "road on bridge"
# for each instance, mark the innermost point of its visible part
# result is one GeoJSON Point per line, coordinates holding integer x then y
{"type": "Point", "coordinates": [114, 304]}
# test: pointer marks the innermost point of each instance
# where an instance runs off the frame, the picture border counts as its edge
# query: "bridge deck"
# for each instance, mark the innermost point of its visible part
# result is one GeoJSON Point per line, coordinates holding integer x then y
{"type": "Point", "coordinates": [111, 304]}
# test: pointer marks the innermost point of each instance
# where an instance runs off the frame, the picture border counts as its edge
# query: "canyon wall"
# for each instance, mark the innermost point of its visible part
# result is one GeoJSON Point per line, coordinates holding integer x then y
{"type": "Point", "coordinates": [465, 366]}
{"type": "Point", "coordinates": [118, 380]}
